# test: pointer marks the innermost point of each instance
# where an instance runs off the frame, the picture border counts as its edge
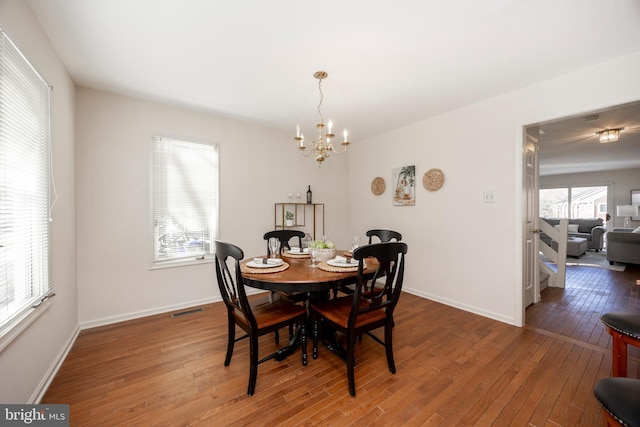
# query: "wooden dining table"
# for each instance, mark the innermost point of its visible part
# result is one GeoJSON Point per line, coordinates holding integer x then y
{"type": "Point", "coordinates": [300, 277]}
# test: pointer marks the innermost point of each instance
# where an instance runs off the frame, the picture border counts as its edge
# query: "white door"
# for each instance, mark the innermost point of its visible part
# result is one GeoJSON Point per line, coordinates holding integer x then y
{"type": "Point", "coordinates": [531, 271]}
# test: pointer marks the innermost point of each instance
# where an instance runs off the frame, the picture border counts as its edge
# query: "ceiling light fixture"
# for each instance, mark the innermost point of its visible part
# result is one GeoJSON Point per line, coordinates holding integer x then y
{"type": "Point", "coordinates": [609, 135]}
{"type": "Point", "coordinates": [321, 147]}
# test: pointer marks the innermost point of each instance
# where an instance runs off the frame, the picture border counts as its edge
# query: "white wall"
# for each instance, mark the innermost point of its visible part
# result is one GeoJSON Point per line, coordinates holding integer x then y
{"type": "Point", "coordinates": [622, 181]}
{"type": "Point", "coordinates": [464, 252]}
{"type": "Point", "coordinates": [259, 166]}
{"type": "Point", "coordinates": [26, 364]}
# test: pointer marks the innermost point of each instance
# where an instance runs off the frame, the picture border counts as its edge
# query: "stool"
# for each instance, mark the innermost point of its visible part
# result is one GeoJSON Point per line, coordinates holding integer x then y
{"type": "Point", "coordinates": [620, 399]}
{"type": "Point", "coordinates": [625, 329]}
{"type": "Point", "coordinates": [576, 246]}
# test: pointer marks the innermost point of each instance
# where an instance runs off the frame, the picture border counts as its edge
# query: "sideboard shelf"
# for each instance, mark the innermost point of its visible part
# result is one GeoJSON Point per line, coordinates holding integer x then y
{"type": "Point", "coordinates": [308, 217]}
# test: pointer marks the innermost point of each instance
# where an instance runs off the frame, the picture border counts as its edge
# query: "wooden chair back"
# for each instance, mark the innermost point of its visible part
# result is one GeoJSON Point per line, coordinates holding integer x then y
{"type": "Point", "coordinates": [383, 235]}
{"type": "Point", "coordinates": [284, 236]}
{"type": "Point", "coordinates": [231, 284]}
{"type": "Point", "coordinates": [372, 294]}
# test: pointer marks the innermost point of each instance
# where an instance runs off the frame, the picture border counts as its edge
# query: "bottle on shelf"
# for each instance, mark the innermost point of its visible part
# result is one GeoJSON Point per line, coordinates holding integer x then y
{"type": "Point", "coordinates": [309, 198]}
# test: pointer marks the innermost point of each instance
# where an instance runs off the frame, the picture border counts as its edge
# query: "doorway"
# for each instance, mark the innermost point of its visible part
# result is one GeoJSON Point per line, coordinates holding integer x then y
{"type": "Point", "coordinates": [570, 156]}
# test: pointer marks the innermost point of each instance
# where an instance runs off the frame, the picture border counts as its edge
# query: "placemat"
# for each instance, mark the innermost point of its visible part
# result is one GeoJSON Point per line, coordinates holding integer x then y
{"type": "Point", "coordinates": [246, 269]}
{"type": "Point", "coordinates": [292, 255]}
{"type": "Point", "coordinates": [326, 267]}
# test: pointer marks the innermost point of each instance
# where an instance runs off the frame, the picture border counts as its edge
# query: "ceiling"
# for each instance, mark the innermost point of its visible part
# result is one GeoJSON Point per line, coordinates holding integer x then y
{"type": "Point", "coordinates": [571, 145]}
{"type": "Point", "coordinates": [389, 64]}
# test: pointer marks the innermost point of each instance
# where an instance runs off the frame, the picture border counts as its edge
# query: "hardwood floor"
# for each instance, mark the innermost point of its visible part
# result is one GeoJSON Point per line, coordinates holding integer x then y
{"type": "Point", "coordinates": [453, 368]}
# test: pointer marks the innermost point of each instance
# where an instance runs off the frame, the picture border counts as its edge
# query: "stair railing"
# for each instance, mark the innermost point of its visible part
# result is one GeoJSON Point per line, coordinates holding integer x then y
{"type": "Point", "coordinates": [558, 257]}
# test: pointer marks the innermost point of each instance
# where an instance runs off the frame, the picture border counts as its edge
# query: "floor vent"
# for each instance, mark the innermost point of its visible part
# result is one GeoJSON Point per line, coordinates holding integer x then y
{"type": "Point", "coordinates": [184, 313]}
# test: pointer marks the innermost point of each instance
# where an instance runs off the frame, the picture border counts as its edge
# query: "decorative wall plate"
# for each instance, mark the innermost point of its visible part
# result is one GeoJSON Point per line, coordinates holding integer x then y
{"type": "Point", "coordinates": [377, 186]}
{"type": "Point", "coordinates": [433, 179]}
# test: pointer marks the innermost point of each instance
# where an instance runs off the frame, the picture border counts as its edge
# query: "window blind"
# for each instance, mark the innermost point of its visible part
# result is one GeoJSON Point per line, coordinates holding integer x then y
{"type": "Point", "coordinates": [24, 186]}
{"type": "Point", "coordinates": [185, 199]}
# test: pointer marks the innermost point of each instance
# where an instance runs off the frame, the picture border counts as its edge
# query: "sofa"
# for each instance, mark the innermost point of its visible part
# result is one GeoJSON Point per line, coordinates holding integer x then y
{"type": "Point", "coordinates": [623, 245]}
{"type": "Point", "coordinates": [591, 229]}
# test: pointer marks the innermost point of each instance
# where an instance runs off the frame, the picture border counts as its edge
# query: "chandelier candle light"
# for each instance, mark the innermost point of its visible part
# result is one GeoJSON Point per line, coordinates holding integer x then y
{"type": "Point", "coordinates": [321, 147]}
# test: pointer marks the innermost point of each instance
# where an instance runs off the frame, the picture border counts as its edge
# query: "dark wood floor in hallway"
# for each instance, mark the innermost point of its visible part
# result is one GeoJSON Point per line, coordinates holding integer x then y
{"type": "Point", "coordinates": [453, 369]}
{"type": "Point", "coordinates": [574, 312]}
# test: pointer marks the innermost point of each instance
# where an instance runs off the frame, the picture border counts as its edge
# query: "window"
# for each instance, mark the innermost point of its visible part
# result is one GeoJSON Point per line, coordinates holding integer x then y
{"type": "Point", "coordinates": [24, 189]}
{"type": "Point", "coordinates": [574, 202]}
{"type": "Point", "coordinates": [185, 199]}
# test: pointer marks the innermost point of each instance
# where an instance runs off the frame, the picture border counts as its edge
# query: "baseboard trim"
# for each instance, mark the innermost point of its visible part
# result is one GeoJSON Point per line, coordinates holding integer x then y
{"type": "Point", "coordinates": [144, 313]}
{"type": "Point", "coordinates": [42, 388]}
{"type": "Point", "coordinates": [464, 307]}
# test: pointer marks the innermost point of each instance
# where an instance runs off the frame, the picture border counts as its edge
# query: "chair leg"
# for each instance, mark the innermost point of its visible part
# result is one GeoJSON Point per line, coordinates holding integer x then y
{"type": "Point", "coordinates": [253, 364]}
{"type": "Point", "coordinates": [303, 340]}
{"type": "Point", "coordinates": [351, 343]}
{"type": "Point", "coordinates": [315, 337]}
{"type": "Point", "coordinates": [388, 345]}
{"type": "Point", "coordinates": [232, 339]}
{"type": "Point", "coordinates": [619, 361]}
{"type": "Point", "coordinates": [276, 337]}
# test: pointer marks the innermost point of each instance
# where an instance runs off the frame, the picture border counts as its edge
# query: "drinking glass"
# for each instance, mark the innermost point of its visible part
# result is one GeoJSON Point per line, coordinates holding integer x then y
{"type": "Point", "coordinates": [313, 254]}
{"type": "Point", "coordinates": [274, 247]}
{"type": "Point", "coordinates": [356, 243]}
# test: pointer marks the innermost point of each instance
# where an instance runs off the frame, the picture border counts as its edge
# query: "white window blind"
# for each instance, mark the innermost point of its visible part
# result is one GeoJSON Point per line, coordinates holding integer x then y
{"type": "Point", "coordinates": [185, 199]}
{"type": "Point", "coordinates": [24, 187]}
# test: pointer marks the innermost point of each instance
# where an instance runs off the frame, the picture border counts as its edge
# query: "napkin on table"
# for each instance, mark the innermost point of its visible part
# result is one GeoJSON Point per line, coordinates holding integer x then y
{"type": "Point", "coordinates": [271, 261]}
{"type": "Point", "coordinates": [296, 250]}
{"type": "Point", "coordinates": [345, 260]}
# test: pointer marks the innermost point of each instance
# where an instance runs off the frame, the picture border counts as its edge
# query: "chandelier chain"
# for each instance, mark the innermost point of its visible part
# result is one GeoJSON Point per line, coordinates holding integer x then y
{"type": "Point", "coordinates": [321, 99]}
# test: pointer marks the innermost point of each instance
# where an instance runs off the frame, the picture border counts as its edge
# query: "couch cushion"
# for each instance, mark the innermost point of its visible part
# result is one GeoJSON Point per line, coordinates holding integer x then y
{"type": "Point", "coordinates": [581, 235]}
{"type": "Point", "coordinates": [637, 230]}
{"type": "Point", "coordinates": [573, 228]}
{"type": "Point", "coordinates": [586, 224]}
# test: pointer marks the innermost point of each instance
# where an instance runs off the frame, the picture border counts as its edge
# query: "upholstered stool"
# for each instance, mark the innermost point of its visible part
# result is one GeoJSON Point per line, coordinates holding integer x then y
{"type": "Point", "coordinates": [625, 329]}
{"type": "Point", "coordinates": [576, 246]}
{"type": "Point", "coordinates": [620, 399]}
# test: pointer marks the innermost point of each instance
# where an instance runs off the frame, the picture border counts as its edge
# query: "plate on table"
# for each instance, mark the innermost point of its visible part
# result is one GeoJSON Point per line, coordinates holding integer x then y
{"type": "Point", "coordinates": [340, 263]}
{"type": "Point", "coordinates": [273, 262]}
{"type": "Point", "coordinates": [297, 251]}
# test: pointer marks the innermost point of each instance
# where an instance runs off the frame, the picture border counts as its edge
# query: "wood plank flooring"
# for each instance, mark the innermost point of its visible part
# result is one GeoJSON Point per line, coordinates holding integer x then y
{"type": "Point", "coordinates": [453, 369]}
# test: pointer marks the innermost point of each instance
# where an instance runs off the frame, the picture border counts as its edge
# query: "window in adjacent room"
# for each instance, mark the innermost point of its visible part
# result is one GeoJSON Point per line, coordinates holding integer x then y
{"type": "Point", "coordinates": [24, 191]}
{"type": "Point", "coordinates": [185, 199]}
{"type": "Point", "coordinates": [574, 202]}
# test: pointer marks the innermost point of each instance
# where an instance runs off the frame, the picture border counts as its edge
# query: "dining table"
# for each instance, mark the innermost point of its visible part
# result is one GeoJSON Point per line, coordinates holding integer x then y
{"type": "Point", "coordinates": [296, 275]}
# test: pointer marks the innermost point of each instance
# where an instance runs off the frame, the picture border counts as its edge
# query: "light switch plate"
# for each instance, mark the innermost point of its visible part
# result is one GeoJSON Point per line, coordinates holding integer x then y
{"type": "Point", "coordinates": [489, 197]}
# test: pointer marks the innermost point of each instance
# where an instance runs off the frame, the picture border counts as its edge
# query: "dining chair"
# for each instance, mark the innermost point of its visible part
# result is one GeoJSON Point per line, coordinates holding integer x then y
{"type": "Point", "coordinates": [369, 308]}
{"type": "Point", "coordinates": [256, 317]}
{"type": "Point", "coordinates": [383, 235]}
{"type": "Point", "coordinates": [620, 399]}
{"type": "Point", "coordinates": [284, 236]}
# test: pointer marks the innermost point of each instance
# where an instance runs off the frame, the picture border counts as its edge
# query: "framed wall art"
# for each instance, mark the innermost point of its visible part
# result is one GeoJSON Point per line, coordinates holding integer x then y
{"type": "Point", "coordinates": [404, 186]}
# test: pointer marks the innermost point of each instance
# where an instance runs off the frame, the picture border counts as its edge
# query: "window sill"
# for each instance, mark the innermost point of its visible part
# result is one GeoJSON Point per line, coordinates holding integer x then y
{"type": "Point", "coordinates": [21, 323]}
{"type": "Point", "coordinates": [183, 263]}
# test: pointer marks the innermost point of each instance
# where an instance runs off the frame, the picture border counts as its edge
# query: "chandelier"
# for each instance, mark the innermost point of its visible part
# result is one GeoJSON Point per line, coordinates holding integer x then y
{"type": "Point", "coordinates": [321, 147]}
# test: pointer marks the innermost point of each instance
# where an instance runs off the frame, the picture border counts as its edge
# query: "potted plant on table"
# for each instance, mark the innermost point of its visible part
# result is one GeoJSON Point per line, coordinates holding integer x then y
{"type": "Point", "coordinates": [288, 219]}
